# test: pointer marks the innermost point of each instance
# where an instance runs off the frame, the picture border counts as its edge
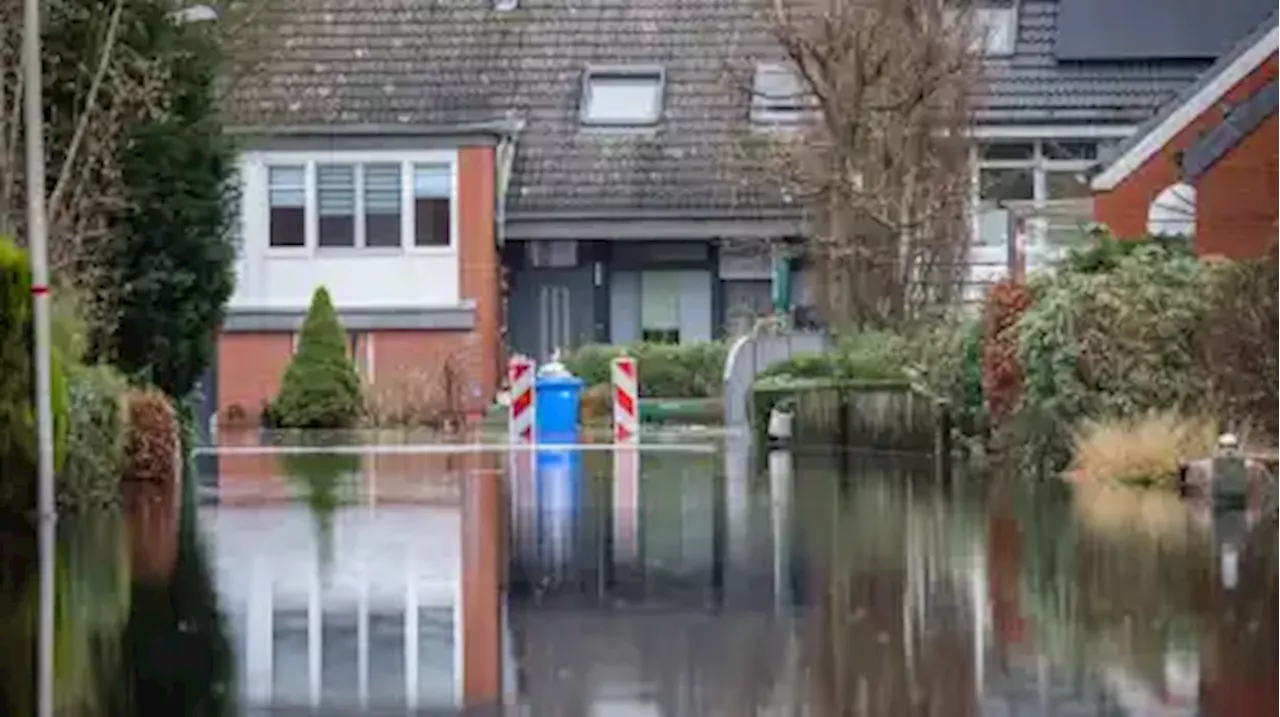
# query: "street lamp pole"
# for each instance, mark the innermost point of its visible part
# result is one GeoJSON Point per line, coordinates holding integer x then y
{"type": "Point", "coordinates": [38, 246]}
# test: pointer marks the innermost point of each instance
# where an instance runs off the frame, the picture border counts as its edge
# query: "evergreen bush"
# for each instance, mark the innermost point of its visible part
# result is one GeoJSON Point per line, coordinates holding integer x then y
{"type": "Point", "coordinates": [90, 475]}
{"type": "Point", "coordinates": [1112, 344]}
{"type": "Point", "coordinates": [18, 446]}
{"type": "Point", "coordinates": [320, 387]}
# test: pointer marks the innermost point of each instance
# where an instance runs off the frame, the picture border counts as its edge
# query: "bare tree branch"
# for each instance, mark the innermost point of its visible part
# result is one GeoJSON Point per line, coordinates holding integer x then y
{"type": "Point", "coordinates": [86, 115]}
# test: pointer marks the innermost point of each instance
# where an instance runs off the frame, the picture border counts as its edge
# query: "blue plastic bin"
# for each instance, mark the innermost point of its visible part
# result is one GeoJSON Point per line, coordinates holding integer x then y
{"type": "Point", "coordinates": [558, 402]}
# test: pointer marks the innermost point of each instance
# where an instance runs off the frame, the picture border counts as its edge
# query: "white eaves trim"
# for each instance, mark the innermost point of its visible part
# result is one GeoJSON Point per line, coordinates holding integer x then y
{"type": "Point", "coordinates": [1065, 131]}
{"type": "Point", "coordinates": [1186, 113]}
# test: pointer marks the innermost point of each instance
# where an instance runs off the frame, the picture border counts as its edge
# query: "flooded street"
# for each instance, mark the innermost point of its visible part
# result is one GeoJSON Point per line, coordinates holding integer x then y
{"type": "Point", "coordinates": [691, 582]}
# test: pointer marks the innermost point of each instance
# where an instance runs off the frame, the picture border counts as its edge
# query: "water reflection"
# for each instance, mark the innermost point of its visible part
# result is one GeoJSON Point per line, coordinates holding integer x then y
{"type": "Point", "coordinates": [137, 624]}
{"type": "Point", "coordinates": [647, 583]}
{"type": "Point", "coordinates": [862, 585]}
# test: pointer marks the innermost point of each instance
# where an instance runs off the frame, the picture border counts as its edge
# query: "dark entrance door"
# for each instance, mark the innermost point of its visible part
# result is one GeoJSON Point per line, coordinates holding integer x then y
{"type": "Point", "coordinates": [550, 309]}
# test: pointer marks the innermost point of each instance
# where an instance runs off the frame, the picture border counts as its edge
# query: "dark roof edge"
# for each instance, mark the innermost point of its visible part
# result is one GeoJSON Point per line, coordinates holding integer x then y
{"type": "Point", "coordinates": [653, 226]}
{"type": "Point", "coordinates": [1208, 78]}
{"type": "Point", "coordinates": [502, 128]}
{"type": "Point", "coordinates": [653, 214]}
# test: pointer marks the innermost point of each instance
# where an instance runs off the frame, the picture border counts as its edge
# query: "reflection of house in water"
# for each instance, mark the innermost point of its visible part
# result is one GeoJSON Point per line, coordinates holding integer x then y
{"type": "Point", "coordinates": [375, 627]}
{"type": "Point", "coordinates": [717, 604]}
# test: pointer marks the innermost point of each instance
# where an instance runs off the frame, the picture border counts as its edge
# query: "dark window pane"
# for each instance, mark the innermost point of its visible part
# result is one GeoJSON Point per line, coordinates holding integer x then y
{"type": "Point", "coordinates": [336, 192]}
{"type": "Point", "coordinates": [1070, 149]}
{"type": "Point", "coordinates": [382, 205]}
{"type": "Point", "coordinates": [288, 226]}
{"type": "Point", "coordinates": [1008, 151]}
{"type": "Point", "coordinates": [1006, 184]}
{"type": "Point", "coordinates": [431, 222]}
{"type": "Point", "coordinates": [660, 336]}
{"type": "Point", "coordinates": [432, 189]}
{"type": "Point", "coordinates": [287, 198]}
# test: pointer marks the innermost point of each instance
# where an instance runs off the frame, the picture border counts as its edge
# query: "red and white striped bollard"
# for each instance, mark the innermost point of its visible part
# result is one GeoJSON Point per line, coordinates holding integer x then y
{"type": "Point", "coordinates": [626, 459]}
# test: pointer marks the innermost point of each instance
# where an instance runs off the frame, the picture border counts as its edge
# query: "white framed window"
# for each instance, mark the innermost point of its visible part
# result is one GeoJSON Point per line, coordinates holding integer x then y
{"type": "Point", "coordinates": [778, 95]}
{"type": "Point", "coordinates": [622, 96]}
{"type": "Point", "coordinates": [357, 201]}
{"type": "Point", "coordinates": [1033, 172]}
{"type": "Point", "coordinates": [432, 206]}
{"type": "Point", "coordinates": [287, 205]}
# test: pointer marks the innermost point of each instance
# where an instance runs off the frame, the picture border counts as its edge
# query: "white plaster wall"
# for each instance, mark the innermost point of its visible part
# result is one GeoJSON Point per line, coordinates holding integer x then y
{"type": "Point", "coordinates": [409, 276]}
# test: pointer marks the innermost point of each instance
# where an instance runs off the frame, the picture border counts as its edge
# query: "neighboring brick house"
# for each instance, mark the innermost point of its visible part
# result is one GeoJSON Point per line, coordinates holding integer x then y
{"type": "Point", "coordinates": [1075, 79]}
{"type": "Point", "coordinates": [1206, 164]}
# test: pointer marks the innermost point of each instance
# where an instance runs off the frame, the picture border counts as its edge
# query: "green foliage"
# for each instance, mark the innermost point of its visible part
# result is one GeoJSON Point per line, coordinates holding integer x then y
{"type": "Point", "coordinates": [320, 387]}
{"type": "Point", "coordinates": [18, 447]}
{"type": "Point", "coordinates": [90, 476]}
{"type": "Point", "coordinates": [1115, 343]}
{"type": "Point", "coordinates": [946, 358]}
{"type": "Point", "coordinates": [693, 370]}
{"type": "Point", "coordinates": [170, 252]}
{"type": "Point", "coordinates": [864, 356]}
{"type": "Point", "coordinates": [1239, 336]}
{"type": "Point", "coordinates": [1105, 252]}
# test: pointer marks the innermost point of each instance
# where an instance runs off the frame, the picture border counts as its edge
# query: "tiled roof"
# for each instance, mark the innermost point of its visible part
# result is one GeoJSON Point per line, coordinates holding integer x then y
{"type": "Point", "coordinates": [446, 62]}
{"type": "Point", "coordinates": [1033, 87]}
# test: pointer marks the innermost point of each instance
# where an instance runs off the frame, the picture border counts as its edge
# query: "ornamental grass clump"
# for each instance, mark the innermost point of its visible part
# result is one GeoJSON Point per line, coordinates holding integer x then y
{"type": "Point", "coordinates": [320, 387]}
{"type": "Point", "coordinates": [1148, 450]}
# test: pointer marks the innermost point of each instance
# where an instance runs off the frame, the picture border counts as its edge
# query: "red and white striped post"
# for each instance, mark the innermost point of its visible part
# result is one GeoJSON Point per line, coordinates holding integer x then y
{"type": "Point", "coordinates": [626, 401]}
{"type": "Point", "coordinates": [521, 373]}
{"type": "Point", "coordinates": [626, 459]}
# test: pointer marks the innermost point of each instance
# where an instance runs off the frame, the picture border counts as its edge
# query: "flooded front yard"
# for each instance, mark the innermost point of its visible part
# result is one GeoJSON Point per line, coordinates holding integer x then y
{"type": "Point", "coordinates": [706, 581]}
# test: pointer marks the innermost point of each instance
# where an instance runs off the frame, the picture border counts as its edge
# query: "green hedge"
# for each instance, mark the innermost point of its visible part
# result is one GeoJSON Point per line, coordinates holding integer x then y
{"type": "Point", "coordinates": [90, 476]}
{"type": "Point", "coordinates": [18, 447]}
{"type": "Point", "coordinates": [866, 356]}
{"type": "Point", "coordinates": [694, 370]}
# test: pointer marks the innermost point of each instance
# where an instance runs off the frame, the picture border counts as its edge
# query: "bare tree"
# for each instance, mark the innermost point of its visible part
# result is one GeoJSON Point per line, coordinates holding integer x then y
{"type": "Point", "coordinates": [883, 163]}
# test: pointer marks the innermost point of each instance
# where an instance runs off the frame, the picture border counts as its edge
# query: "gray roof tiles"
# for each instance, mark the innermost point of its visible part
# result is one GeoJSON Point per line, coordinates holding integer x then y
{"type": "Point", "coordinates": [441, 62]}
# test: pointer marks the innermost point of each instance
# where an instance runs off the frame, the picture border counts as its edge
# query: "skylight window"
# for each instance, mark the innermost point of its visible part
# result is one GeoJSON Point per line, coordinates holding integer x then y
{"type": "Point", "coordinates": [622, 96]}
{"type": "Point", "coordinates": [777, 96]}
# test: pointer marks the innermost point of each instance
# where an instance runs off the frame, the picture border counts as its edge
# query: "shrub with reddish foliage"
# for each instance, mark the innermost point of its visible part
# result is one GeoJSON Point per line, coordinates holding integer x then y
{"type": "Point", "coordinates": [152, 446]}
{"type": "Point", "coordinates": [1007, 301]}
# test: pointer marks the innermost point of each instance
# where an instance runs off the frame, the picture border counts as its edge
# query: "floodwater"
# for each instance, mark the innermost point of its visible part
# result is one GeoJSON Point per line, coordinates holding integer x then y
{"type": "Point", "coordinates": [697, 582]}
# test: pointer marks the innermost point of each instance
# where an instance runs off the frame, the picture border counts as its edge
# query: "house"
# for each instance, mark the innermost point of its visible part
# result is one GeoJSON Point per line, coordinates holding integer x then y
{"type": "Point", "coordinates": [1205, 165]}
{"type": "Point", "coordinates": [383, 184]}
{"type": "Point", "coordinates": [1069, 83]}
{"type": "Point", "coordinates": [490, 175]}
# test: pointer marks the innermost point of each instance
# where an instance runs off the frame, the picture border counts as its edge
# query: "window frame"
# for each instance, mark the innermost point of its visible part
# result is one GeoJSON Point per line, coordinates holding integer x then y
{"type": "Point", "coordinates": [1040, 166]}
{"type": "Point", "coordinates": [773, 112]}
{"type": "Point", "coordinates": [623, 72]}
{"type": "Point", "coordinates": [258, 212]}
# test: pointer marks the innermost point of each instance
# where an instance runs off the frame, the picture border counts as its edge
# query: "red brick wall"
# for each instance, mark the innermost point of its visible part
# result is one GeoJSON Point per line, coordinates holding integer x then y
{"type": "Point", "coordinates": [1236, 198]}
{"type": "Point", "coordinates": [251, 365]}
{"type": "Point", "coordinates": [478, 258]}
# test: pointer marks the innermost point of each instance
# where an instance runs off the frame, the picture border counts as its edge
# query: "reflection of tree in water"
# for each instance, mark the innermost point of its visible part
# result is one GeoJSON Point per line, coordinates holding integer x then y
{"type": "Point", "coordinates": [892, 626]}
{"type": "Point", "coordinates": [321, 477]}
{"type": "Point", "coordinates": [149, 644]}
{"type": "Point", "coordinates": [177, 654]}
{"type": "Point", "coordinates": [92, 589]}
{"type": "Point", "coordinates": [1104, 591]}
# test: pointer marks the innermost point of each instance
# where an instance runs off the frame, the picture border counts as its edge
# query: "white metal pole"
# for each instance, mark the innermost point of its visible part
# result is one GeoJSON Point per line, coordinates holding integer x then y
{"type": "Point", "coordinates": [37, 244]}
